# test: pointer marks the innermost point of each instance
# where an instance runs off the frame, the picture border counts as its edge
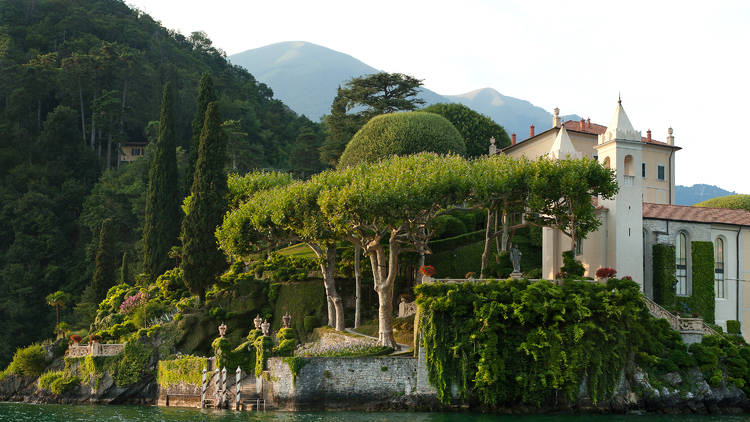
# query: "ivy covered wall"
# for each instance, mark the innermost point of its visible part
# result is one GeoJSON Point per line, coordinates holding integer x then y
{"type": "Point", "coordinates": [701, 301]}
{"type": "Point", "coordinates": [664, 275]}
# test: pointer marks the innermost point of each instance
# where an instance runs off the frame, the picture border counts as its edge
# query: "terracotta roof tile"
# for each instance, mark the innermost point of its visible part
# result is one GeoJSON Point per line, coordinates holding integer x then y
{"type": "Point", "coordinates": [597, 129]}
{"type": "Point", "coordinates": [696, 214]}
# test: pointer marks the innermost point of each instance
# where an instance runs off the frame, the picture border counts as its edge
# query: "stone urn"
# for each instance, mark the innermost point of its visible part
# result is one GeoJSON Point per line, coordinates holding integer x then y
{"type": "Point", "coordinates": [222, 330]}
{"type": "Point", "coordinates": [287, 320]}
{"type": "Point", "coordinates": [266, 328]}
{"type": "Point", "coordinates": [258, 321]}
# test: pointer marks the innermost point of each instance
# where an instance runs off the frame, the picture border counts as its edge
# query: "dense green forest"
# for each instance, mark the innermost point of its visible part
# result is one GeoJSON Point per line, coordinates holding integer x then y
{"type": "Point", "coordinates": [78, 79]}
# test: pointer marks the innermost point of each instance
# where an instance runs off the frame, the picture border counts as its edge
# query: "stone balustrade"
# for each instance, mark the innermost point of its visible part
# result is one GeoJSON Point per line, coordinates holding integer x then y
{"type": "Point", "coordinates": [94, 349]}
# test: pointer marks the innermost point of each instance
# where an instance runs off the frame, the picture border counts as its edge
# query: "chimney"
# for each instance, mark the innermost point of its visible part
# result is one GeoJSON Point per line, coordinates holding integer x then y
{"type": "Point", "coordinates": [531, 131]}
{"type": "Point", "coordinates": [648, 135]}
{"type": "Point", "coordinates": [513, 139]}
{"type": "Point", "coordinates": [582, 124]}
{"type": "Point", "coordinates": [670, 136]}
{"type": "Point", "coordinates": [588, 123]}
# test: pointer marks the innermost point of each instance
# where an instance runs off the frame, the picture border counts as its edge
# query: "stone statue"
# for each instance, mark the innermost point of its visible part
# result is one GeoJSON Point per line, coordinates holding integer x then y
{"type": "Point", "coordinates": [287, 320]}
{"type": "Point", "coordinates": [222, 330]}
{"type": "Point", "coordinates": [515, 258]}
{"type": "Point", "coordinates": [257, 321]}
{"type": "Point", "coordinates": [266, 327]}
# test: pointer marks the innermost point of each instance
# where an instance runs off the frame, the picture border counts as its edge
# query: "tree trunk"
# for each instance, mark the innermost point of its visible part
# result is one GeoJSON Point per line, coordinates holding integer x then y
{"type": "Point", "coordinates": [497, 241]}
{"type": "Point", "coordinates": [385, 294]}
{"type": "Point", "coordinates": [333, 299]}
{"type": "Point", "coordinates": [109, 150]}
{"type": "Point", "coordinates": [122, 106]}
{"type": "Point", "coordinates": [487, 243]}
{"type": "Point", "coordinates": [357, 287]}
{"type": "Point", "coordinates": [39, 116]}
{"type": "Point", "coordinates": [93, 125]}
{"type": "Point", "coordinates": [506, 234]}
{"type": "Point", "coordinates": [83, 115]}
{"type": "Point", "coordinates": [57, 311]}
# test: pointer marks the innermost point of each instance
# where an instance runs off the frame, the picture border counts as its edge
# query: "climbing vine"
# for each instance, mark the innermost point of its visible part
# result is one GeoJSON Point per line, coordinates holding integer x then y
{"type": "Point", "coordinates": [185, 369]}
{"type": "Point", "coordinates": [664, 275]}
{"type": "Point", "coordinates": [701, 301]}
{"type": "Point", "coordinates": [514, 341]}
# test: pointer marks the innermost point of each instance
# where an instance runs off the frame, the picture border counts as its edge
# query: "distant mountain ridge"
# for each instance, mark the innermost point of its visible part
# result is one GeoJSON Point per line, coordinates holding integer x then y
{"type": "Point", "coordinates": [690, 195]}
{"type": "Point", "coordinates": [305, 76]}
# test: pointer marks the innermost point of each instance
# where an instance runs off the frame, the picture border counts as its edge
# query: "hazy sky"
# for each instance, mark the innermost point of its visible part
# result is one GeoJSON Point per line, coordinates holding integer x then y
{"type": "Point", "coordinates": [679, 63]}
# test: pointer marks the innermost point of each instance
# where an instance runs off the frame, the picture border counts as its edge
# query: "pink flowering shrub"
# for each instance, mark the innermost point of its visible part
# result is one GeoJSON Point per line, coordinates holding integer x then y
{"type": "Point", "coordinates": [132, 302]}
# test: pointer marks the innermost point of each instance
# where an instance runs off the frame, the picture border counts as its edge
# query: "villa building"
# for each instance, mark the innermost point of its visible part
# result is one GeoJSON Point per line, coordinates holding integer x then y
{"type": "Point", "coordinates": [131, 151]}
{"type": "Point", "coordinates": [642, 213]}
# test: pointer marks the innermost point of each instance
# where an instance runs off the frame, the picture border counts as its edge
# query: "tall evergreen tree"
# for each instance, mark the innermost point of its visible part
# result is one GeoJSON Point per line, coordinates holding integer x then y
{"type": "Point", "coordinates": [205, 96]}
{"type": "Point", "coordinates": [104, 271]}
{"type": "Point", "coordinates": [124, 271]}
{"type": "Point", "coordinates": [162, 220]}
{"type": "Point", "coordinates": [202, 261]}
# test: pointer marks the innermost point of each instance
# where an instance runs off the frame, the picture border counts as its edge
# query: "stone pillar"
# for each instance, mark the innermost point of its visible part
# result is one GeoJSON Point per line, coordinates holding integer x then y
{"type": "Point", "coordinates": [237, 388]}
{"type": "Point", "coordinates": [204, 386]}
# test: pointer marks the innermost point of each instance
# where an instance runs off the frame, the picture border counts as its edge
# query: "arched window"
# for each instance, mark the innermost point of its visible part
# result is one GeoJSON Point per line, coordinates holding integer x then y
{"type": "Point", "coordinates": [607, 163]}
{"type": "Point", "coordinates": [719, 267]}
{"type": "Point", "coordinates": [629, 165]}
{"type": "Point", "coordinates": [680, 249]}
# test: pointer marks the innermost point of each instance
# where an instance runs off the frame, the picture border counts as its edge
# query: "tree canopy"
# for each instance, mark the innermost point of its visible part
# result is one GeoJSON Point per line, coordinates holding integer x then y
{"type": "Point", "coordinates": [735, 202]}
{"type": "Point", "coordinates": [402, 134]}
{"type": "Point", "coordinates": [360, 100]}
{"type": "Point", "coordinates": [476, 129]}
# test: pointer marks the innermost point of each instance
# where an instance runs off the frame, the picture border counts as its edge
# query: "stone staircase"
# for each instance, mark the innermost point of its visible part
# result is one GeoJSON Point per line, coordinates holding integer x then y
{"type": "Point", "coordinates": [692, 330]}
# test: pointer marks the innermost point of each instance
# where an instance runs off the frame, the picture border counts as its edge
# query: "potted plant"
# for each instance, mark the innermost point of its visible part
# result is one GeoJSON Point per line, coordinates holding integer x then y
{"type": "Point", "coordinates": [75, 339]}
{"type": "Point", "coordinates": [605, 273]}
{"type": "Point", "coordinates": [427, 272]}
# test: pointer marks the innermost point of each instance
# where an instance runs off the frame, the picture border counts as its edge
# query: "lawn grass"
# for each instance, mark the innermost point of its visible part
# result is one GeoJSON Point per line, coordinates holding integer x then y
{"type": "Point", "coordinates": [403, 330]}
{"type": "Point", "coordinates": [298, 250]}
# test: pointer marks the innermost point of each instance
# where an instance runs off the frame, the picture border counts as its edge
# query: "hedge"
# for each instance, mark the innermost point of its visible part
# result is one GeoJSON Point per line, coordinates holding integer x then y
{"type": "Point", "coordinates": [702, 301]}
{"type": "Point", "coordinates": [451, 243]}
{"type": "Point", "coordinates": [664, 275]}
{"type": "Point", "coordinates": [402, 133]}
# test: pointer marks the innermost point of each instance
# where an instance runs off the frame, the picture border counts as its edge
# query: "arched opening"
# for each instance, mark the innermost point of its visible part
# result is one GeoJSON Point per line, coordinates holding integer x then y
{"type": "Point", "coordinates": [719, 268]}
{"type": "Point", "coordinates": [607, 163]}
{"type": "Point", "coordinates": [681, 250]}
{"type": "Point", "coordinates": [629, 165]}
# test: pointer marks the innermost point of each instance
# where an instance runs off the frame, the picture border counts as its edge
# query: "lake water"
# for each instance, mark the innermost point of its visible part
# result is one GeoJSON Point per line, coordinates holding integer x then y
{"type": "Point", "coordinates": [63, 413]}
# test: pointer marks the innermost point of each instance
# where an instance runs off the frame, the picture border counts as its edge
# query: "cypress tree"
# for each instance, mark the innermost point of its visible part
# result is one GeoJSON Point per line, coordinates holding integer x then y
{"type": "Point", "coordinates": [104, 270]}
{"type": "Point", "coordinates": [202, 261]}
{"type": "Point", "coordinates": [124, 273]}
{"type": "Point", "coordinates": [162, 223]}
{"type": "Point", "coordinates": [205, 96]}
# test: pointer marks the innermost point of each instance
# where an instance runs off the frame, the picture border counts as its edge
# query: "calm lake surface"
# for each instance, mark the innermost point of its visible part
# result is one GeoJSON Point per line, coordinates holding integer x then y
{"type": "Point", "coordinates": [59, 413]}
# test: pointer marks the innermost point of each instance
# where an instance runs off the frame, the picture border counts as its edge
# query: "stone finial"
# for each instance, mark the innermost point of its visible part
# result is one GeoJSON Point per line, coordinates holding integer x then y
{"type": "Point", "coordinates": [556, 119]}
{"type": "Point", "coordinates": [287, 320]}
{"type": "Point", "coordinates": [670, 136]}
{"type": "Point", "coordinates": [257, 321]}
{"type": "Point", "coordinates": [493, 147]}
{"type": "Point", "coordinates": [222, 330]}
{"type": "Point", "coordinates": [266, 328]}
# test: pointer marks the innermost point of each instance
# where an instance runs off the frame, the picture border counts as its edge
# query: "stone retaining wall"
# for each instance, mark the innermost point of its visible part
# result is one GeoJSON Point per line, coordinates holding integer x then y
{"type": "Point", "coordinates": [346, 383]}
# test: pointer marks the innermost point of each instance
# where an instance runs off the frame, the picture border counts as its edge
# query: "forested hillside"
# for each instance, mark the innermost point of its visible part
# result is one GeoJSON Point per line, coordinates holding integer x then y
{"type": "Point", "coordinates": [78, 79]}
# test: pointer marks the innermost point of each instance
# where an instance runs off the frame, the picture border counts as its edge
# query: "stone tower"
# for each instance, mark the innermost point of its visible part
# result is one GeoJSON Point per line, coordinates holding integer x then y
{"type": "Point", "coordinates": [621, 149]}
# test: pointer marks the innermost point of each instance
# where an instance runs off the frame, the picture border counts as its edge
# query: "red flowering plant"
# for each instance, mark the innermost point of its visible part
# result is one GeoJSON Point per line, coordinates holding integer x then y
{"type": "Point", "coordinates": [627, 277]}
{"type": "Point", "coordinates": [427, 270]}
{"type": "Point", "coordinates": [605, 272]}
{"type": "Point", "coordinates": [76, 338]}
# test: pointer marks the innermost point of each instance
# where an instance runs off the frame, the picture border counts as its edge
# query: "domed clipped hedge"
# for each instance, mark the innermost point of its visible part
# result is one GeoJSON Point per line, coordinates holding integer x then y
{"type": "Point", "coordinates": [402, 134]}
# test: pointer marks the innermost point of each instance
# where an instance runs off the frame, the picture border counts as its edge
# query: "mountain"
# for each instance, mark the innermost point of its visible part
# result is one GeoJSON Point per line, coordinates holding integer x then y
{"type": "Point", "coordinates": [689, 195]}
{"type": "Point", "coordinates": [305, 77]}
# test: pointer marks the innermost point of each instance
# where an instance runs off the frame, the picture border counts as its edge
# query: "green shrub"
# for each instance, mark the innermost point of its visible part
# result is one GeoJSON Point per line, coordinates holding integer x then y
{"type": "Point", "coordinates": [286, 268]}
{"type": "Point", "coordinates": [475, 128]}
{"type": "Point", "coordinates": [501, 267]}
{"type": "Point", "coordinates": [447, 225]}
{"type": "Point", "coordinates": [187, 369]}
{"type": "Point", "coordinates": [132, 364]}
{"type": "Point", "coordinates": [534, 273]}
{"type": "Point", "coordinates": [148, 312]}
{"type": "Point", "coordinates": [473, 218]}
{"type": "Point", "coordinates": [28, 361]}
{"type": "Point", "coordinates": [263, 346]}
{"type": "Point", "coordinates": [571, 266]}
{"type": "Point", "coordinates": [310, 322]}
{"type": "Point", "coordinates": [736, 202]}
{"type": "Point", "coordinates": [733, 327]}
{"type": "Point", "coordinates": [664, 275]}
{"type": "Point", "coordinates": [402, 133]}
{"type": "Point", "coordinates": [287, 342]}
{"type": "Point", "coordinates": [171, 285]}
{"type": "Point", "coordinates": [58, 382]}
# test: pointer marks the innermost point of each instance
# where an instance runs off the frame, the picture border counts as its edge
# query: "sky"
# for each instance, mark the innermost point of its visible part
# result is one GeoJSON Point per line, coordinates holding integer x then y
{"type": "Point", "coordinates": [684, 64]}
